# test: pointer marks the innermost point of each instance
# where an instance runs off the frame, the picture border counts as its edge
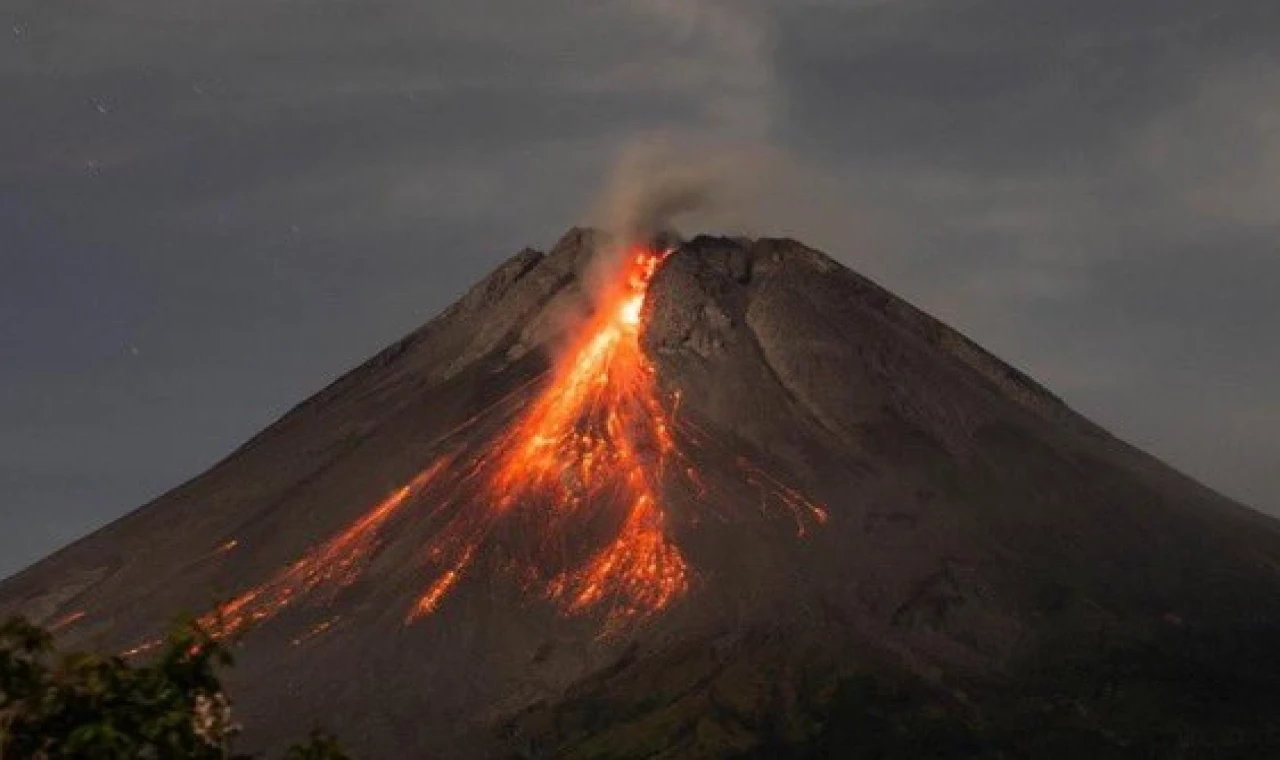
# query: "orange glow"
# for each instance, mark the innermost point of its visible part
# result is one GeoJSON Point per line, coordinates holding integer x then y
{"type": "Point", "coordinates": [336, 563]}
{"type": "Point", "coordinates": [642, 571]}
{"type": "Point", "coordinates": [65, 621]}
{"type": "Point", "coordinates": [581, 473]}
{"type": "Point", "coordinates": [428, 602]}
{"type": "Point", "coordinates": [802, 510]}
{"type": "Point", "coordinates": [316, 630]}
{"type": "Point", "coordinates": [594, 438]}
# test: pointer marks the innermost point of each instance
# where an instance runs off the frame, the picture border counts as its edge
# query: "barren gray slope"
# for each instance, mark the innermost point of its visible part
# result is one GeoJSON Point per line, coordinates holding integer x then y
{"type": "Point", "coordinates": [977, 523]}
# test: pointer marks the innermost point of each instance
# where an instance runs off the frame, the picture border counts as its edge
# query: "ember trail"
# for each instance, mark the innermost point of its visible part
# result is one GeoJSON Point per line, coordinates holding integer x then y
{"type": "Point", "coordinates": [584, 464]}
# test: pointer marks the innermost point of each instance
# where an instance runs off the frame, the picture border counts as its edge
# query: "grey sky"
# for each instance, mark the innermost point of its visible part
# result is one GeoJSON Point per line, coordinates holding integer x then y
{"type": "Point", "coordinates": [209, 210]}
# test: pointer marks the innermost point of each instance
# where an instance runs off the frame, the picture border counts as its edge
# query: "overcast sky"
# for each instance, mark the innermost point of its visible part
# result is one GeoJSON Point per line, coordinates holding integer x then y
{"type": "Point", "coordinates": [208, 210]}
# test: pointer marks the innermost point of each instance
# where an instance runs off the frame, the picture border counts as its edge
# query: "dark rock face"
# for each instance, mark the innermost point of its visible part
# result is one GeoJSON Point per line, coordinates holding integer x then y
{"type": "Point", "coordinates": [996, 574]}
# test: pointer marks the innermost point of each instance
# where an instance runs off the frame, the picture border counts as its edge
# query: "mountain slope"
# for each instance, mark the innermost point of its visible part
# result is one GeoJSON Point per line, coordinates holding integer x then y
{"type": "Point", "coordinates": [862, 515]}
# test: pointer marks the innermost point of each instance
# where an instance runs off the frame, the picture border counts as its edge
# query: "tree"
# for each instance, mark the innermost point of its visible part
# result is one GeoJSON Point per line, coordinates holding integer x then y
{"type": "Point", "coordinates": [57, 705]}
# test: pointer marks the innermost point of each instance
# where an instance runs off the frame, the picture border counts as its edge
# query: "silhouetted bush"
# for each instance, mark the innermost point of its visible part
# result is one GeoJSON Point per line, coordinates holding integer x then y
{"type": "Point", "coordinates": [56, 705]}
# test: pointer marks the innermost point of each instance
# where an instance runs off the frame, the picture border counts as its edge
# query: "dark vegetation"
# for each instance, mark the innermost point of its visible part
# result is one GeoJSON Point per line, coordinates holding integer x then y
{"type": "Point", "coordinates": [56, 705]}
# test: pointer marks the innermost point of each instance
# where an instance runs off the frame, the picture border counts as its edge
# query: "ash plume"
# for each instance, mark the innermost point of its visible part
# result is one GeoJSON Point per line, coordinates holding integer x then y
{"type": "Point", "coordinates": [722, 170]}
{"type": "Point", "coordinates": [650, 189]}
{"type": "Point", "coordinates": [663, 183]}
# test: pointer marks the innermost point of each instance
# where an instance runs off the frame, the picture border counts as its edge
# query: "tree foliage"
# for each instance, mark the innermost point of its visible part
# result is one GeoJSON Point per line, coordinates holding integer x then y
{"type": "Point", "coordinates": [56, 705]}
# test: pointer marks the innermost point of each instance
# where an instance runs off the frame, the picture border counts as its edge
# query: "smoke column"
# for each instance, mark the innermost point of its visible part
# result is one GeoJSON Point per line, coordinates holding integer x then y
{"type": "Point", "coordinates": [712, 171]}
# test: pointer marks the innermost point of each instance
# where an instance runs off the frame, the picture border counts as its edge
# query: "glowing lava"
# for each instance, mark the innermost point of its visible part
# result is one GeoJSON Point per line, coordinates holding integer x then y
{"type": "Point", "coordinates": [579, 475]}
{"type": "Point", "coordinates": [595, 438]}
{"type": "Point", "coordinates": [335, 564]}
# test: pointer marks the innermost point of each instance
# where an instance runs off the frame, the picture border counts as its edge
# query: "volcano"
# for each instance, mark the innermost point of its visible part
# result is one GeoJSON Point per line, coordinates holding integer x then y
{"type": "Point", "coordinates": [713, 498]}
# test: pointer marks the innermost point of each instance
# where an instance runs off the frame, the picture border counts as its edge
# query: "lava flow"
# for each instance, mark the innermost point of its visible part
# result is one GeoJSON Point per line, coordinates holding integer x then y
{"type": "Point", "coordinates": [593, 441]}
{"type": "Point", "coordinates": [580, 473]}
{"type": "Point", "coordinates": [596, 438]}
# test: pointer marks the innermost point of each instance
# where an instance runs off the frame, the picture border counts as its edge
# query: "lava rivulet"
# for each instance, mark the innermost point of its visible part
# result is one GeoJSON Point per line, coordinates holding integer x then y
{"type": "Point", "coordinates": [578, 476]}
{"type": "Point", "coordinates": [335, 564]}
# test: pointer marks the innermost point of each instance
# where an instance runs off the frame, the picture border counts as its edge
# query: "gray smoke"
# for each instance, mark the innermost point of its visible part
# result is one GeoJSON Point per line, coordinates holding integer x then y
{"type": "Point", "coordinates": [660, 183]}
{"type": "Point", "coordinates": [716, 173]}
{"type": "Point", "coordinates": [650, 189]}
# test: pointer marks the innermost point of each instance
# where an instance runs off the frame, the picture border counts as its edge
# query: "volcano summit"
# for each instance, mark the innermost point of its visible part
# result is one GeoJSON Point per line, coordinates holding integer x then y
{"type": "Point", "coordinates": [722, 498]}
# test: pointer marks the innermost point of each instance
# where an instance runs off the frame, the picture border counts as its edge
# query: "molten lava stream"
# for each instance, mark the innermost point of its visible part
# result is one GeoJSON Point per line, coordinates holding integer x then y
{"type": "Point", "coordinates": [593, 438]}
